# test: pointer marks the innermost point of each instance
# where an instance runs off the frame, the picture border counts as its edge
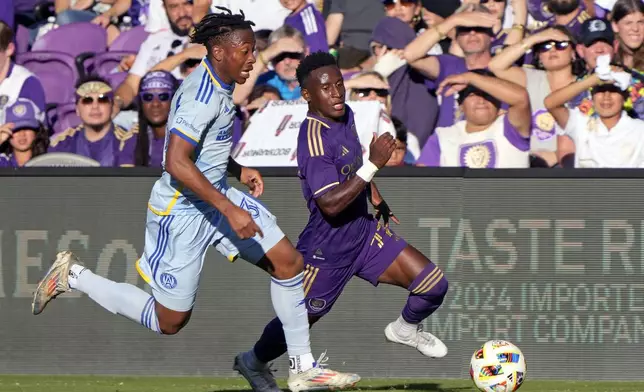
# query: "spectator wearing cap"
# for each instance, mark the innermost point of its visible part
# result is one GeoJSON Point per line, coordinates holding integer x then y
{"type": "Point", "coordinates": [609, 138]}
{"type": "Point", "coordinates": [22, 135]}
{"type": "Point", "coordinates": [569, 13]}
{"type": "Point", "coordinates": [309, 21]}
{"type": "Point", "coordinates": [159, 46]}
{"type": "Point", "coordinates": [155, 96]}
{"type": "Point", "coordinates": [485, 139]}
{"type": "Point", "coordinates": [286, 49]}
{"type": "Point", "coordinates": [348, 27]}
{"type": "Point", "coordinates": [411, 101]}
{"type": "Point", "coordinates": [97, 137]}
{"type": "Point", "coordinates": [473, 35]}
{"type": "Point", "coordinates": [15, 80]}
{"type": "Point", "coordinates": [555, 65]}
{"type": "Point", "coordinates": [598, 40]}
{"type": "Point", "coordinates": [628, 22]}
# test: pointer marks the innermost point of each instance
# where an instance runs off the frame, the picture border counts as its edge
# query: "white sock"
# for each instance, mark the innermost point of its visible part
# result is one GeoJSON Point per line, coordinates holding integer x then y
{"type": "Point", "coordinates": [404, 329]}
{"type": "Point", "coordinates": [119, 298]}
{"type": "Point", "coordinates": [288, 301]}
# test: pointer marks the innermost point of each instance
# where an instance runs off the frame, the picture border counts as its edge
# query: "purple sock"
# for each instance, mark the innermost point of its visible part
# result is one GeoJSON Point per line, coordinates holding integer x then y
{"type": "Point", "coordinates": [272, 344]}
{"type": "Point", "coordinates": [427, 293]}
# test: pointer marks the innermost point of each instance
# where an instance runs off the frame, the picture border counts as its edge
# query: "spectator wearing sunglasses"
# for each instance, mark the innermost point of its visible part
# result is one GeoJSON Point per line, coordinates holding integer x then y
{"type": "Point", "coordinates": [97, 137]}
{"type": "Point", "coordinates": [286, 49]}
{"type": "Point", "coordinates": [22, 134]}
{"type": "Point", "coordinates": [555, 66]}
{"type": "Point", "coordinates": [371, 86]}
{"type": "Point", "coordinates": [411, 101]}
{"type": "Point", "coordinates": [155, 96]}
{"type": "Point", "coordinates": [609, 138]}
{"type": "Point", "coordinates": [309, 21]}
{"type": "Point", "coordinates": [486, 138]}
{"type": "Point", "coordinates": [473, 34]}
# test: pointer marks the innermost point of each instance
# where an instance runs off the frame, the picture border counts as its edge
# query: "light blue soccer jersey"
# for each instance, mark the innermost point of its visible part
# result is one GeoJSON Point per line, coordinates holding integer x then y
{"type": "Point", "coordinates": [202, 113]}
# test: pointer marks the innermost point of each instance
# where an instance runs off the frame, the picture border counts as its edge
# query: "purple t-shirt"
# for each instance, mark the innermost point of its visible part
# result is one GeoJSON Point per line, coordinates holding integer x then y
{"type": "Point", "coordinates": [431, 153]}
{"type": "Point", "coordinates": [156, 146]}
{"type": "Point", "coordinates": [114, 150]}
{"type": "Point", "coordinates": [7, 12]}
{"type": "Point", "coordinates": [311, 23]}
{"type": "Point", "coordinates": [449, 113]}
{"type": "Point", "coordinates": [7, 161]}
{"type": "Point", "coordinates": [540, 12]}
{"type": "Point", "coordinates": [31, 89]}
{"type": "Point", "coordinates": [328, 154]}
{"type": "Point", "coordinates": [498, 41]}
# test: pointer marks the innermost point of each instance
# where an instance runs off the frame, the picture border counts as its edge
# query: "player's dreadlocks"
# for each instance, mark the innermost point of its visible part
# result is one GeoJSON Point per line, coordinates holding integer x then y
{"type": "Point", "coordinates": [215, 28]}
{"type": "Point", "coordinates": [311, 63]}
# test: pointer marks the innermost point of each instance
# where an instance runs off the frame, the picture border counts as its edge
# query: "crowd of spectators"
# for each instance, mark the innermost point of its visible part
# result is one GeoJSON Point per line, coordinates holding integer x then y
{"type": "Point", "coordinates": [466, 83]}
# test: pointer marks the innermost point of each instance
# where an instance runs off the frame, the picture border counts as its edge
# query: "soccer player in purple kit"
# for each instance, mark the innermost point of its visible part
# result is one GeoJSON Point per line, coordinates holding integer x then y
{"type": "Point", "coordinates": [341, 238]}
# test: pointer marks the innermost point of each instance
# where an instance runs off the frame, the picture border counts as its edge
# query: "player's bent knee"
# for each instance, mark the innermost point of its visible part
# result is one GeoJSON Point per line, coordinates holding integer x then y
{"type": "Point", "coordinates": [441, 288]}
{"type": "Point", "coordinates": [170, 321]}
{"type": "Point", "coordinates": [289, 265]}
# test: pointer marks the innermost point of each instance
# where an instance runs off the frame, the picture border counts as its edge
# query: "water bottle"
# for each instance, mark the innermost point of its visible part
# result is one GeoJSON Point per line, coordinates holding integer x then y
{"type": "Point", "coordinates": [126, 24]}
{"type": "Point", "coordinates": [50, 25]}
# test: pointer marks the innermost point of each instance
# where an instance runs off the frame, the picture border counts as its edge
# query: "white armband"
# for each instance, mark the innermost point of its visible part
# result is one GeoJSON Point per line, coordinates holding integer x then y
{"type": "Point", "coordinates": [367, 171]}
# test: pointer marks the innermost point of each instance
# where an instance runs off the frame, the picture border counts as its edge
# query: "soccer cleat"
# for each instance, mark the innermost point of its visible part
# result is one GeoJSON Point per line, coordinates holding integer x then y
{"type": "Point", "coordinates": [260, 380]}
{"type": "Point", "coordinates": [428, 344]}
{"type": "Point", "coordinates": [55, 282]}
{"type": "Point", "coordinates": [320, 378]}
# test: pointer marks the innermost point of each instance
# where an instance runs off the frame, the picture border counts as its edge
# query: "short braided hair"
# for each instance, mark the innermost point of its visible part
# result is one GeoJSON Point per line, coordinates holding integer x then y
{"type": "Point", "coordinates": [311, 63]}
{"type": "Point", "coordinates": [215, 28]}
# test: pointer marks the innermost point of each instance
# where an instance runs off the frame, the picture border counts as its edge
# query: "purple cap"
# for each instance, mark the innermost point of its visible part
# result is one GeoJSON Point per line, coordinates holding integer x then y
{"type": "Point", "coordinates": [159, 80]}
{"type": "Point", "coordinates": [24, 114]}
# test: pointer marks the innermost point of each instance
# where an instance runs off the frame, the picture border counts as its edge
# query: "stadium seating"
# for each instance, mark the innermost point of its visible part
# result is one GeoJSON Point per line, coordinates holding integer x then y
{"type": "Point", "coordinates": [57, 73]}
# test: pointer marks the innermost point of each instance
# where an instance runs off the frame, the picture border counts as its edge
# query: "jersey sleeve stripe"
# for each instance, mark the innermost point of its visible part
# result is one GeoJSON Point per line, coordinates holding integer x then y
{"type": "Point", "coordinates": [309, 138]}
{"type": "Point", "coordinates": [318, 136]}
{"type": "Point", "coordinates": [201, 85]}
{"type": "Point", "coordinates": [184, 135]}
{"type": "Point", "coordinates": [212, 90]}
{"type": "Point", "coordinates": [326, 187]}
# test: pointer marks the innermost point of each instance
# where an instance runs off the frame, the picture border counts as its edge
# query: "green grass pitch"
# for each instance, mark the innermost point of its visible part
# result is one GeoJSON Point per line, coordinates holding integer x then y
{"type": "Point", "coordinates": [193, 384]}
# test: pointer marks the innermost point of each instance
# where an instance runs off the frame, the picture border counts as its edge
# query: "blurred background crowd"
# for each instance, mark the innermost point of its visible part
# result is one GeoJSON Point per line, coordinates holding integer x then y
{"type": "Point", "coordinates": [474, 83]}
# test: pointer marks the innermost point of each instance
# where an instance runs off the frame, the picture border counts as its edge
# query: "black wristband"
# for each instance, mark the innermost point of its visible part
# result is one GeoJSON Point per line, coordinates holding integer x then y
{"type": "Point", "coordinates": [234, 168]}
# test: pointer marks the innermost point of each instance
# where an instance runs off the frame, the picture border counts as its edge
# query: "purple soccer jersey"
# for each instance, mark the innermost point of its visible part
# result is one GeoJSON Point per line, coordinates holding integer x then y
{"type": "Point", "coordinates": [310, 23]}
{"type": "Point", "coordinates": [114, 150]}
{"type": "Point", "coordinates": [328, 154]}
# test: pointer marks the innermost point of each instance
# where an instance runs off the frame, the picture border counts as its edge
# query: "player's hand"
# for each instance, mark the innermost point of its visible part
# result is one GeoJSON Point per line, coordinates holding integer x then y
{"type": "Point", "coordinates": [241, 222]}
{"type": "Point", "coordinates": [253, 180]}
{"type": "Point", "coordinates": [383, 210]}
{"type": "Point", "coordinates": [381, 149]}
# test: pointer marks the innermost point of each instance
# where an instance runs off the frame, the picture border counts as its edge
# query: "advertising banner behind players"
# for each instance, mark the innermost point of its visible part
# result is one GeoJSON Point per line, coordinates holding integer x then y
{"type": "Point", "coordinates": [271, 138]}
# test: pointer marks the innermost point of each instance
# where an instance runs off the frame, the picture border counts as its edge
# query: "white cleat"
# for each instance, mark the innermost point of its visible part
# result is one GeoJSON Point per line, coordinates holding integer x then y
{"type": "Point", "coordinates": [261, 380]}
{"type": "Point", "coordinates": [428, 344]}
{"type": "Point", "coordinates": [320, 378]}
{"type": "Point", "coordinates": [55, 282]}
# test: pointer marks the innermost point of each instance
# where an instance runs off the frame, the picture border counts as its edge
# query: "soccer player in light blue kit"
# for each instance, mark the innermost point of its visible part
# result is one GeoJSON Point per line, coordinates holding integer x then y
{"type": "Point", "coordinates": [192, 207]}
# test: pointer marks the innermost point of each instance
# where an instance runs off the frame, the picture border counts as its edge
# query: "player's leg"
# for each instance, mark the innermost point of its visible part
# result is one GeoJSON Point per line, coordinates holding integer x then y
{"type": "Point", "coordinates": [274, 253]}
{"type": "Point", "coordinates": [169, 308]}
{"type": "Point", "coordinates": [322, 287]}
{"type": "Point", "coordinates": [393, 261]}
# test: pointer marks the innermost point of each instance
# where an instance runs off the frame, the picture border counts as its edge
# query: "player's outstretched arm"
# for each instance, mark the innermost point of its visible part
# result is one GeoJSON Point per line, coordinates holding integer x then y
{"type": "Point", "coordinates": [181, 167]}
{"type": "Point", "coordinates": [339, 198]}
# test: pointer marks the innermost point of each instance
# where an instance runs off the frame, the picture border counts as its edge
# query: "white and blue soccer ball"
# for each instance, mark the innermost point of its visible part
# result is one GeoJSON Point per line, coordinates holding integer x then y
{"type": "Point", "coordinates": [498, 366]}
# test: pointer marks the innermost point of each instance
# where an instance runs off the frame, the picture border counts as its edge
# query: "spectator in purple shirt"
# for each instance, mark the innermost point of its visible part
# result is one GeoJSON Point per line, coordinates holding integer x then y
{"type": "Point", "coordinates": [15, 80]}
{"type": "Point", "coordinates": [155, 95]}
{"type": "Point", "coordinates": [473, 35]}
{"type": "Point", "coordinates": [22, 134]}
{"type": "Point", "coordinates": [569, 13]}
{"type": "Point", "coordinates": [97, 137]}
{"type": "Point", "coordinates": [309, 21]}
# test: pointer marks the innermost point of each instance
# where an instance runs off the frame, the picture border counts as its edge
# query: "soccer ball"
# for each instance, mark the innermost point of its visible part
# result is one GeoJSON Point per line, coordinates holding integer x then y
{"type": "Point", "coordinates": [498, 366]}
